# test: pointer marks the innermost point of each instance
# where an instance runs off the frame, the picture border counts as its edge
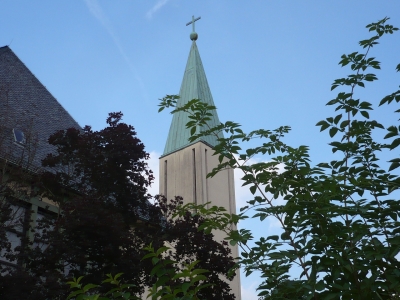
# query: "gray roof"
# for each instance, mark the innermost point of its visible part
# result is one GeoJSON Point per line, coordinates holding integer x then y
{"type": "Point", "coordinates": [26, 105]}
{"type": "Point", "coordinates": [194, 86]}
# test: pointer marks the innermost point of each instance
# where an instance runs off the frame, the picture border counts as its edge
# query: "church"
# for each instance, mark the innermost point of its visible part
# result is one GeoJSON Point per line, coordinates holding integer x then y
{"type": "Point", "coordinates": [184, 165]}
{"type": "Point", "coordinates": [29, 114]}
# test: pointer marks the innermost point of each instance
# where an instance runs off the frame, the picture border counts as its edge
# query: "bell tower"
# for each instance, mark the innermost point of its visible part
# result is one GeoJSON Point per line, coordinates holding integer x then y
{"type": "Point", "coordinates": [184, 165]}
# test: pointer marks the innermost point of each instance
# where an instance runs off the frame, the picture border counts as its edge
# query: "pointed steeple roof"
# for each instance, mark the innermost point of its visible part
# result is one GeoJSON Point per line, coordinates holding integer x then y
{"type": "Point", "coordinates": [194, 86]}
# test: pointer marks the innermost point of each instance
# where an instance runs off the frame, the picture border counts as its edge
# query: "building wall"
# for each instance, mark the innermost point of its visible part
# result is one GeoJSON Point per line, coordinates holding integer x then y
{"type": "Point", "coordinates": [183, 173]}
{"type": "Point", "coordinates": [29, 210]}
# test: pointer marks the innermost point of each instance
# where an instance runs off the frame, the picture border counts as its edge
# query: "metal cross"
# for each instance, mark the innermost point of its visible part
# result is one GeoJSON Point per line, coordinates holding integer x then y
{"type": "Point", "coordinates": [192, 22]}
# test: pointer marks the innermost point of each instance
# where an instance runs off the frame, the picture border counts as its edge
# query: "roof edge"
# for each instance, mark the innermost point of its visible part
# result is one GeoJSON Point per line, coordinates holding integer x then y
{"type": "Point", "coordinates": [186, 146]}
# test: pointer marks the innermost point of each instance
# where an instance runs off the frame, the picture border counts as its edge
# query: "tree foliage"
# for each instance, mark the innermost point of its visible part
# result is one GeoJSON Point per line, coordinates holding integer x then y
{"type": "Point", "coordinates": [99, 181]}
{"type": "Point", "coordinates": [339, 219]}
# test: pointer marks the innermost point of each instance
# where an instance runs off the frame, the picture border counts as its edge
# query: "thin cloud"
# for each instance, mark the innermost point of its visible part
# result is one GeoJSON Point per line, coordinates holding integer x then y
{"type": "Point", "coordinates": [243, 193]}
{"type": "Point", "coordinates": [156, 8]}
{"type": "Point", "coordinates": [96, 10]}
{"type": "Point", "coordinates": [250, 293]}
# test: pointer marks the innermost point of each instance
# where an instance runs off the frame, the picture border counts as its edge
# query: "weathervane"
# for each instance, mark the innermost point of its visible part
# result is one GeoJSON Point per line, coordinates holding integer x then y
{"type": "Point", "coordinates": [193, 35]}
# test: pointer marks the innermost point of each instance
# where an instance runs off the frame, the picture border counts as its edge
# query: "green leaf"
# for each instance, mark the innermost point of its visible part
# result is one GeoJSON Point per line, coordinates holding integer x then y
{"type": "Point", "coordinates": [253, 189]}
{"type": "Point", "coordinates": [333, 131]}
{"type": "Point", "coordinates": [395, 144]}
{"type": "Point", "coordinates": [393, 215]}
{"type": "Point", "coordinates": [392, 132]}
{"type": "Point", "coordinates": [276, 255]}
{"type": "Point", "coordinates": [344, 124]}
{"type": "Point", "coordinates": [394, 165]}
{"type": "Point", "coordinates": [273, 237]}
{"type": "Point", "coordinates": [365, 114]}
{"type": "Point", "coordinates": [337, 119]}
{"type": "Point", "coordinates": [324, 125]}
{"type": "Point", "coordinates": [89, 287]}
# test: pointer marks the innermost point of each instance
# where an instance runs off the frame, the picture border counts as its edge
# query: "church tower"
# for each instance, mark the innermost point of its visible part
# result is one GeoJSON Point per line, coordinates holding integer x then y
{"type": "Point", "coordinates": [184, 165]}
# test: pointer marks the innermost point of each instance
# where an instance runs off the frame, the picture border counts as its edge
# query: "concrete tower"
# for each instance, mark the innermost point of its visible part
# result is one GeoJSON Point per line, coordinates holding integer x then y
{"type": "Point", "coordinates": [184, 165]}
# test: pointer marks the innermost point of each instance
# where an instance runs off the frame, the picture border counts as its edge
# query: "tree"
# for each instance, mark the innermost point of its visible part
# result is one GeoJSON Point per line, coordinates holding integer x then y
{"type": "Point", "coordinates": [99, 181]}
{"type": "Point", "coordinates": [191, 245]}
{"type": "Point", "coordinates": [17, 166]}
{"type": "Point", "coordinates": [339, 219]}
{"type": "Point", "coordinates": [178, 266]}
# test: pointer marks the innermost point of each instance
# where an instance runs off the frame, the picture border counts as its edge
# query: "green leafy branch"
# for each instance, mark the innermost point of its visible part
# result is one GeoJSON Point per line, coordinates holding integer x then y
{"type": "Point", "coordinates": [339, 220]}
{"type": "Point", "coordinates": [192, 280]}
{"type": "Point", "coordinates": [88, 291]}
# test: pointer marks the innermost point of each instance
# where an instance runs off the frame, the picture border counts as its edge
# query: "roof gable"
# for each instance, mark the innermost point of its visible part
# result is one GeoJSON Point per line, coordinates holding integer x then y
{"type": "Point", "coordinates": [26, 105]}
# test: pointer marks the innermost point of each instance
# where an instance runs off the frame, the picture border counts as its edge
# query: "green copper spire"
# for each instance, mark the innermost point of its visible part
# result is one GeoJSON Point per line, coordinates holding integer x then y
{"type": "Point", "coordinates": [194, 86]}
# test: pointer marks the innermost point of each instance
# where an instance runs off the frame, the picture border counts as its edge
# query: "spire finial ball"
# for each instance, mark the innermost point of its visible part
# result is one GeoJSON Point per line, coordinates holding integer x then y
{"type": "Point", "coordinates": [194, 36]}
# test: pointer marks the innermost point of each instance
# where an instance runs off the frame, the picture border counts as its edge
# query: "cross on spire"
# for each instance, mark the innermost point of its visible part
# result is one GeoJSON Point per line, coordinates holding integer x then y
{"type": "Point", "coordinates": [192, 22]}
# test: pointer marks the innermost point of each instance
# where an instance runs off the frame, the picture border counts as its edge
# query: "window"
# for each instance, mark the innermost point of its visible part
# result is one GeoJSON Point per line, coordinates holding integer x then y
{"type": "Point", "coordinates": [14, 241]}
{"type": "Point", "coordinates": [40, 229]}
{"type": "Point", "coordinates": [19, 136]}
{"type": "Point", "coordinates": [14, 231]}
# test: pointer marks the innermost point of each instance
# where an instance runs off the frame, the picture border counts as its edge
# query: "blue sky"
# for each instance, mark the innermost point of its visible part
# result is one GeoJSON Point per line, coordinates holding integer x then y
{"type": "Point", "coordinates": [268, 63]}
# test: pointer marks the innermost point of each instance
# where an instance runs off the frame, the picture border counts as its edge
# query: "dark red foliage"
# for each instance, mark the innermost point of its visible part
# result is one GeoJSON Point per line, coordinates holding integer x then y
{"type": "Point", "coordinates": [99, 179]}
{"type": "Point", "coordinates": [190, 243]}
{"type": "Point", "coordinates": [109, 164]}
